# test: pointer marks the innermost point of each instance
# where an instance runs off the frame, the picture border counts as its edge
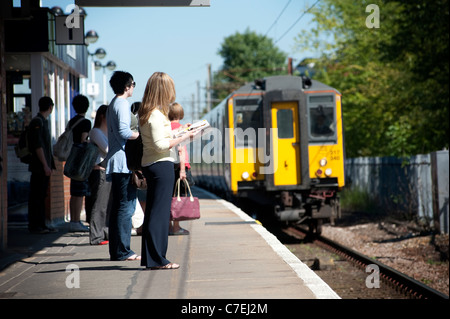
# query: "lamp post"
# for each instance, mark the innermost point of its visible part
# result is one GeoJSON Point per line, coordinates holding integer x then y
{"type": "Point", "coordinates": [93, 89]}
{"type": "Point", "coordinates": [111, 65]}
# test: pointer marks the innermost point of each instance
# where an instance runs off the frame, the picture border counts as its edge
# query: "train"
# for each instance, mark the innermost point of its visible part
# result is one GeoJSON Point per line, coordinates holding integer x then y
{"type": "Point", "coordinates": [276, 143]}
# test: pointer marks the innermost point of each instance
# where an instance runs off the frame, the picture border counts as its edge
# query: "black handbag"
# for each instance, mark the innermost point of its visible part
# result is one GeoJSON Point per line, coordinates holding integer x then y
{"type": "Point", "coordinates": [81, 161]}
{"type": "Point", "coordinates": [134, 149]}
{"type": "Point", "coordinates": [138, 179]}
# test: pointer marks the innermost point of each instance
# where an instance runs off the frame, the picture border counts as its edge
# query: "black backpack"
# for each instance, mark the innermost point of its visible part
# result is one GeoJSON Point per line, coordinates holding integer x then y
{"type": "Point", "coordinates": [21, 149]}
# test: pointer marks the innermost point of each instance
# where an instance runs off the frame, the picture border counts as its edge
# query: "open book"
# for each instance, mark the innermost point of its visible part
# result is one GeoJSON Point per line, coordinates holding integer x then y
{"type": "Point", "coordinates": [199, 127]}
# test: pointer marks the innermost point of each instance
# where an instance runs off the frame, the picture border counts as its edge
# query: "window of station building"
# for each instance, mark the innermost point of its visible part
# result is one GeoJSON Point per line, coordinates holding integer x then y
{"type": "Point", "coordinates": [248, 118]}
{"type": "Point", "coordinates": [19, 105]}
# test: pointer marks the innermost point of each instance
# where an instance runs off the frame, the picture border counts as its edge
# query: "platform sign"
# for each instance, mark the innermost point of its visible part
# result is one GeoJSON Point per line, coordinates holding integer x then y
{"type": "Point", "coordinates": [142, 3]}
{"type": "Point", "coordinates": [69, 29]}
{"type": "Point", "coordinates": [93, 89]}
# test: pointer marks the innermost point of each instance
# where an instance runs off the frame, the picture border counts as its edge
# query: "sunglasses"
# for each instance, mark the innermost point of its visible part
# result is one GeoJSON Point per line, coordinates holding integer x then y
{"type": "Point", "coordinates": [133, 84]}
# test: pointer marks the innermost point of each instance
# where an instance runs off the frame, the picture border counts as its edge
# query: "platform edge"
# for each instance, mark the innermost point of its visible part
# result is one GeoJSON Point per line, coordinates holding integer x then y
{"type": "Point", "coordinates": [317, 286]}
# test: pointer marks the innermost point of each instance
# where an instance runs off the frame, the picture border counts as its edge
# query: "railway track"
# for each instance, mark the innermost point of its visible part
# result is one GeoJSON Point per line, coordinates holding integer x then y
{"type": "Point", "coordinates": [399, 281]}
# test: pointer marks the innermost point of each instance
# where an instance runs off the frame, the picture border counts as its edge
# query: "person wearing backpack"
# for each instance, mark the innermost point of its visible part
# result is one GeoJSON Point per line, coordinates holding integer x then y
{"type": "Point", "coordinates": [41, 166]}
{"type": "Point", "coordinates": [79, 189]}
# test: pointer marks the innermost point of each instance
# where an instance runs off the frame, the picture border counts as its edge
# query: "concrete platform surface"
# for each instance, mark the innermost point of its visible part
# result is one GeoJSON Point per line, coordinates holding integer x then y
{"type": "Point", "coordinates": [227, 255]}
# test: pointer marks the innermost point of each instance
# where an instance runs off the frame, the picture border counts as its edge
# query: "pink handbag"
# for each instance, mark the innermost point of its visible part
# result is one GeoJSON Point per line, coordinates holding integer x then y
{"type": "Point", "coordinates": [186, 207]}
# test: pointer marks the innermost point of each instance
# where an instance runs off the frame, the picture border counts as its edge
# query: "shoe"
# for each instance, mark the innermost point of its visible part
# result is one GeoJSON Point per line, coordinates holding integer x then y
{"type": "Point", "coordinates": [168, 266]}
{"type": "Point", "coordinates": [181, 231]}
{"type": "Point", "coordinates": [105, 242]}
{"type": "Point", "coordinates": [133, 257]}
{"type": "Point", "coordinates": [78, 227]}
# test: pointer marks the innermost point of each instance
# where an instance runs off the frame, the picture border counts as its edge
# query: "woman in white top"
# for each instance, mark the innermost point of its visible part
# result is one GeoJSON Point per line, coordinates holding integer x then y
{"type": "Point", "coordinates": [97, 203]}
{"type": "Point", "coordinates": [158, 169]}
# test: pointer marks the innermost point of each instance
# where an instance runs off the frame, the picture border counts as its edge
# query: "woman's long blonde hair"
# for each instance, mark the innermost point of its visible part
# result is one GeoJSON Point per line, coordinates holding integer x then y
{"type": "Point", "coordinates": [159, 93]}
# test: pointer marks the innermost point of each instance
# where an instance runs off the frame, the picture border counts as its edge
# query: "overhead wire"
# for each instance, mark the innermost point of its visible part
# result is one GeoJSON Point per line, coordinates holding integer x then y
{"type": "Point", "coordinates": [290, 28]}
{"type": "Point", "coordinates": [279, 16]}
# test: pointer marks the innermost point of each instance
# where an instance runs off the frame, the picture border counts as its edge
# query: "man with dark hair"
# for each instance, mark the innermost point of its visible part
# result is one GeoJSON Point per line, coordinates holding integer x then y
{"type": "Point", "coordinates": [41, 166]}
{"type": "Point", "coordinates": [123, 193]}
{"type": "Point", "coordinates": [79, 189]}
{"type": "Point", "coordinates": [121, 80]}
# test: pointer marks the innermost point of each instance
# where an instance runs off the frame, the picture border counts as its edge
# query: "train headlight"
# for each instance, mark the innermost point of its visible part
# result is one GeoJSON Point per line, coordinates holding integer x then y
{"type": "Point", "coordinates": [319, 172]}
{"type": "Point", "coordinates": [328, 172]}
{"type": "Point", "coordinates": [245, 176]}
{"type": "Point", "coordinates": [323, 162]}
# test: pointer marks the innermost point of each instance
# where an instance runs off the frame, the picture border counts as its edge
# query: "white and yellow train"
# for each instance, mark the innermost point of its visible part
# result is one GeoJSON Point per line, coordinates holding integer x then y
{"type": "Point", "coordinates": [277, 142]}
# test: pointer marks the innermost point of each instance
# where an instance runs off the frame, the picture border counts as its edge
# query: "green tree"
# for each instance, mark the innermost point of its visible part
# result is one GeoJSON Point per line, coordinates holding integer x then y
{"type": "Point", "coordinates": [394, 79]}
{"type": "Point", "coordinates": [247, 56]}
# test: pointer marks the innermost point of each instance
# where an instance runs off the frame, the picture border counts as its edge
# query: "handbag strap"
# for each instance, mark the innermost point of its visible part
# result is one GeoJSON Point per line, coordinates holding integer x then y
{"type": "Point", "coordinates": [188, 187]}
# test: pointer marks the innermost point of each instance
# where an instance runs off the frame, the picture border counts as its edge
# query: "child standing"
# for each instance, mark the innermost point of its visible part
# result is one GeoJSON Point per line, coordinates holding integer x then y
{"type": "Point", "coordinates": [182, 169]}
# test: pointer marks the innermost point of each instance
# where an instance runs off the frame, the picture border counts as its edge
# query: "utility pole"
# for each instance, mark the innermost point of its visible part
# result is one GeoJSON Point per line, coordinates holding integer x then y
{"type": "Point", "coordinates": [198, 99]}
{"type": "Point", "coordinates": [208, 90]}
{"type": "Point", "coordinates": [193, 108]}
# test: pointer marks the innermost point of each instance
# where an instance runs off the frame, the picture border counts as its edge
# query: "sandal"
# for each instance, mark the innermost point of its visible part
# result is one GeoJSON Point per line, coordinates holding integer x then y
{"type": "Point", "coordinates": [133, 257]}
{"type": "Point", "coordinates": [181, 231]}
{"type": "Point", "coordinates": [168, 266]}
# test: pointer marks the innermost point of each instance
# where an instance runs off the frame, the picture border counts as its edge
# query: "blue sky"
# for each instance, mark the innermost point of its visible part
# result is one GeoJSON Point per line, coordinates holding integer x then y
{"type": "Point", "coordinates": [182, 41]}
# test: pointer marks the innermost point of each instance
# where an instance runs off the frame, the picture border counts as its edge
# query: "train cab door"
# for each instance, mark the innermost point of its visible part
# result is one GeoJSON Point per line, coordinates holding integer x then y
{"type": "Point", "coordinates": [286, 143]}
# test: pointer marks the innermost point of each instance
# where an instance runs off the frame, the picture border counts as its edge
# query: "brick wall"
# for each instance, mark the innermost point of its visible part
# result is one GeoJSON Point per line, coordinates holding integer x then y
{"type": "Point", "coordinates": [59, 195]}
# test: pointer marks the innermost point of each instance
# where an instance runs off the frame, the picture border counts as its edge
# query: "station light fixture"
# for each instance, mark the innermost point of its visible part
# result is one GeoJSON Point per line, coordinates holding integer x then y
{"type": "Point", "coordinates": [91, 37]}
{"type": "Point", "coordinates": [111, 65]}
{"type": "Point", "coordinates": [100, 53]}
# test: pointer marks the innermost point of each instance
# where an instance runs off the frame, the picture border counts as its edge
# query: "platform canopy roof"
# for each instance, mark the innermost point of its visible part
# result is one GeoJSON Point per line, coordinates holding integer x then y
{"type": "Point", "coordinates": [142, 3]}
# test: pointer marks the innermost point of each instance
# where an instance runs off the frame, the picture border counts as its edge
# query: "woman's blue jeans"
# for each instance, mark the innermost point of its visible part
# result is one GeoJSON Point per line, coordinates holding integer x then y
{"type": "Point", "coordinates": [122, 209]}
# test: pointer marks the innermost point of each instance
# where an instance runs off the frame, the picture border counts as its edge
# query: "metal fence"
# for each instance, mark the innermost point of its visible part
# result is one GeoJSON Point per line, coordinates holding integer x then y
{"type": "Point", "coordinates": [416, 185]}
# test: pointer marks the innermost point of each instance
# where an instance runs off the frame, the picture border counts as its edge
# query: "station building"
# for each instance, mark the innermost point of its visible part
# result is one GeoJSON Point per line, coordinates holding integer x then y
{"type": "Point", "coordinates": [32, 65]}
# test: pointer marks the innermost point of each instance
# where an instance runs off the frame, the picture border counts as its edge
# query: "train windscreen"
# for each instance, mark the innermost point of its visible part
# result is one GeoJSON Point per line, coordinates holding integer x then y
{"type": "Point", "coordinates": [248, 118]}
{"type": "Point", "coordinates": [322, 119]}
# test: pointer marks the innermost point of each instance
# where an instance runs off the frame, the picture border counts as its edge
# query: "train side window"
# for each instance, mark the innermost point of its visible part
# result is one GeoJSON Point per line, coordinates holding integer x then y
{"type": "Point", "coordinates": [285, 123]}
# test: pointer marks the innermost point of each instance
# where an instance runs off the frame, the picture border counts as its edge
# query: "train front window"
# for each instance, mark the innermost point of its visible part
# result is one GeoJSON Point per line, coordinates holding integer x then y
{"type": "Point", "coordinates": [248, 118]}
{"type": "Point", "coordinates": [322, 124]}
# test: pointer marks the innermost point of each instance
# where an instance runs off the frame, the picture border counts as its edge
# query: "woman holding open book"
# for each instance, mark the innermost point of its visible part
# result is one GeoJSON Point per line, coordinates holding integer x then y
{"type": "Point", "coordinates": [158, 168]}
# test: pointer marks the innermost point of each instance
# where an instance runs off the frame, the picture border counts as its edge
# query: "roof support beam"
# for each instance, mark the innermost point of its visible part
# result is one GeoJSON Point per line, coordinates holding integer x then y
{"type": "Point", "coordinates": [142, 3]}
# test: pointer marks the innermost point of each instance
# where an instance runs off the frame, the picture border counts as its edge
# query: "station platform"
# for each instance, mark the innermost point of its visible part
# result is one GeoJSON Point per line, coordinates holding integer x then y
{"type": "Point", "coordinates": [227, 255]}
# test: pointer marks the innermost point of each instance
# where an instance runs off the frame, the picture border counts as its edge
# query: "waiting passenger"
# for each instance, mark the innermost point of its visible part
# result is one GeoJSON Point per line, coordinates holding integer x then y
{"type": "Point", "coordinates": [138, 217]}
{"type": "Point", "coordinates": [79, 189]}
{"type": "Point", "coordinates": [158, 168]}
{"type": "Point", "coordinates": [182, 166]}
{"type": "Point", "coordinates": [123, 191]}
{"type": "Point", "coordinates": [41, 167]}
{"type": "Point", "coordinates": [97, 203]}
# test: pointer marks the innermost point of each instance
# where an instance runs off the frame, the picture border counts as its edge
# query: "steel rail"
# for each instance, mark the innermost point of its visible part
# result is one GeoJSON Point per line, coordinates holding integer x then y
{"type": "Point", "coordinates": [410, 286]}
